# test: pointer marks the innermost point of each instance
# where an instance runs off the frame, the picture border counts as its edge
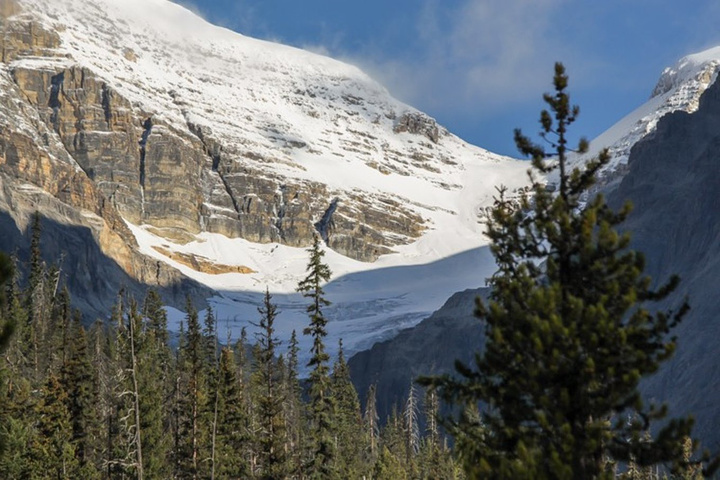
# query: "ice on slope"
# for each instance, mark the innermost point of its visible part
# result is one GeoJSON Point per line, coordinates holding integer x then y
{"type": "Point", "coordinates": [371, 302]}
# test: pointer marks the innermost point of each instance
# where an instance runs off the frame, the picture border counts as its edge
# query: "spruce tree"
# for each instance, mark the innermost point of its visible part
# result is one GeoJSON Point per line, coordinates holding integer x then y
{"type": "Point", "coordinates": [389, 466]}
{"type": "Point", "coordinates": [322, 405]}
{"type": "Point", "coordinates": [348, 420]}
{"type": "Point", "coordinates": [392, 456]}
{"type": "Point", "coordinates": [60, 335]}
{"type": "Point", "coordinates": [193, 396]}
{"type": "Point", "coordinates": [154, 387]}
{"type": "Point", "coordinates": [232, 439]}
{"type": "Point", "coordinates": [568, 332]}
{"type": "Point", "coordinates": [269, 396]}
{"type": "Point", "coordinates": [52, 451]}
{"type": "Point", "coordinates": [115, 395]}
{"type": "Point", "coordinates": [36, 303]}
{"type": "Point", "coordinates": [79, 380]}
{"type": "Point", "coordinates": [7, 324]}
{"type": "Point", "coordinates": [212, 370]}
{"type": "Point", "coordinates": [294, 412]}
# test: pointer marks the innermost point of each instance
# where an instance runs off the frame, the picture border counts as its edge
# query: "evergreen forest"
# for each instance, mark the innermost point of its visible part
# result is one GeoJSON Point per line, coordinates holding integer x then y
{"type": "Point", "coordinates": [123, 398]}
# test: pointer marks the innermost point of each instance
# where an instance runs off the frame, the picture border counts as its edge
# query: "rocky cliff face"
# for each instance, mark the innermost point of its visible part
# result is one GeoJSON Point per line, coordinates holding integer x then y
{"type": "Point", "coordinates": [184, 177]}
{"type": "Point", "coordinates": [38, 172]}
{"type": "Point", "coordinates": [181, 183]}
{"type": "Point", "coordinates": [673, 183]}
{"type": "Point", "coordinates": [679, 88]}
{"type": "Point", "coordinates": [431, 348]}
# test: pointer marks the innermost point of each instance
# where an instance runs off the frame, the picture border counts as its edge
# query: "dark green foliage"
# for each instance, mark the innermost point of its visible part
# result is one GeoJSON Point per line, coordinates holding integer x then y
{"type": "Point", "coordinates": [322, 404]}
{"type": "Point", "coordinates": [7, 324]}
{"type": "Point", "coordinates": [293, 409]}
{"type": "Point", "coordinates": [348, 421]}
{"type": "Point", "coordinates": [389, 466]}
{"type": "Point", "coordinates": [569, 336]}
{"type": "Point", "coordinates": [192, 370]}
{"type": "Point", "coordinates": [60, 330]}
{"type": "Point", "coordinates": [153, 372]}
{"type": "Point", "coordinates": [37, 267]}
{"type": "Point", "coordinates": [114, 401]}
{"type": "Point", "coordinates": [212, 369]}
{"type": "Point", "coordinates": [79, 379]}
{"type": "Point", "coordinates": [232, 437]}
{"type": "Point", "coordinates": [270, 398]}
{"type": "Point", "coordinates": [392, 455]}
{"type": "Point", "coordinates": [211, 342]}
{"type": "Point", "coordinates": [37, 304]}
{"type": "Point", "coordinates": [156, 319]}
{"type": "Point", "coordinates": [53, 454]}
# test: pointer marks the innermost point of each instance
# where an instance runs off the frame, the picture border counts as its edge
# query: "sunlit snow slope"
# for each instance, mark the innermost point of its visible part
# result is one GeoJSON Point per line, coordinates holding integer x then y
{"type": "Point", "coordinates": [679, 88]}
{"type": "Point", "coordinates": [298, 117]}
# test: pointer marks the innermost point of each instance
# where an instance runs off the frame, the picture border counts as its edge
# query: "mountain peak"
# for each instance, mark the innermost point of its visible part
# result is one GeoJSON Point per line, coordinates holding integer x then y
{"type": "Point", "coordinates": [678, 88]}
{"type": "Point", "coordinates": [694, 72]}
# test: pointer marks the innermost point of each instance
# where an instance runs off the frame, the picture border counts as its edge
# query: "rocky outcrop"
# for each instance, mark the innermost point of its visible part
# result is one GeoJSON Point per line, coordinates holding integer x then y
{"type": "Point", "coordinates": [94, 260]}
{"type": "Point", "coordinates": [418, 124]}
{"type": "Point", "coordinates": [147, 171]}
{"type": "Point", "coordinates": [26, 38]}
{"type": "Point", "coordinates": [47, 161]}
{"type": "Point", "coordinates": [202, 264]}
{"type": "Point", "coordinates": [673, 183]}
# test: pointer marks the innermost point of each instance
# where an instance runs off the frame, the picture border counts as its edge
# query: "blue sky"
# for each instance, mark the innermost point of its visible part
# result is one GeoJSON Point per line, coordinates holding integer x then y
{"type": "Point", "coordinates": [480, 66]}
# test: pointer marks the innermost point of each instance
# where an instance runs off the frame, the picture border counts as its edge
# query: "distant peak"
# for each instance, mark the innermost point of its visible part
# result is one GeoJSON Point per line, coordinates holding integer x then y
{"type": "Point", "coordinates": [698, 67]}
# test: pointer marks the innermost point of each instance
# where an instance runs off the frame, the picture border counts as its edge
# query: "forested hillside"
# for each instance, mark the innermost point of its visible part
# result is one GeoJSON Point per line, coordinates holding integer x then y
{"type": "Point", "coordinates": [114, 400]}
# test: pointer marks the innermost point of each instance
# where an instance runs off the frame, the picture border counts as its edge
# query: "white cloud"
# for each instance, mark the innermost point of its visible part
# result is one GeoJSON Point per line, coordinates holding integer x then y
{"type": "Point", "coordinates": [483, 55]}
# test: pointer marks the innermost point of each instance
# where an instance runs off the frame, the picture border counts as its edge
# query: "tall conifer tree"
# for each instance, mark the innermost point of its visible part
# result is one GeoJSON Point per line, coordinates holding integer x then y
{"type": "Point", "coordinates": [80, 382]}
{"type": "Point", "coordinates": [270, 396]}
{"type": "Point", "coordinates": [193, 395]}
{"type": "Point", "coordinates": [294, 418]}
{"type": "Point", "coordinates": [568, 333]}
{"type": "Point", "coordinates": [348, 420]}
{"type": "Point", "coordinates": [322, 405]}
{"type": "Point", "coordinates": [232, 437]}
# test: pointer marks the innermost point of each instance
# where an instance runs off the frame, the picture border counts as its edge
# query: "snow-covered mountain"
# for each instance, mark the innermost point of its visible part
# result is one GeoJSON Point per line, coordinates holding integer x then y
{"type": "Point", "coordinates": [187, 146]}
{"type": "Point", "coordinates": [679, 88]}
